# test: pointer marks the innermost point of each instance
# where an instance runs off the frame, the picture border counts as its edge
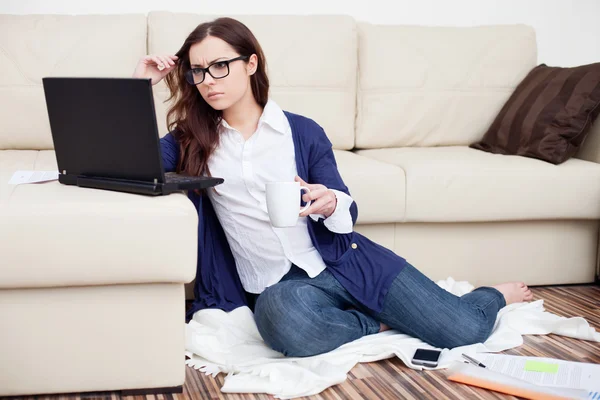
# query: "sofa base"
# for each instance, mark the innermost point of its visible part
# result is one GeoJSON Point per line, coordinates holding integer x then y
{"type": "Point", "coordinates": [92, 339]}
{"type": "Point", "coordinates": [144, 392]}
{"type": "Point", "coordinates": [105, 394]}
{"type": "Point", "coordinates": [486, 253]}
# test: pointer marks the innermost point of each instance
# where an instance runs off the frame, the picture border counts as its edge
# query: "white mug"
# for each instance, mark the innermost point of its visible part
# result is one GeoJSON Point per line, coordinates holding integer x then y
{"type": "Point", "coordinates": [283, 203]}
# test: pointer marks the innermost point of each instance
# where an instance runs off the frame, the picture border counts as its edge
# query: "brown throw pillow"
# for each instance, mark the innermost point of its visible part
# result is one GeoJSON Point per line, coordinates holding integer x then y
{"type": "Point", "coordinates": [548, 115]}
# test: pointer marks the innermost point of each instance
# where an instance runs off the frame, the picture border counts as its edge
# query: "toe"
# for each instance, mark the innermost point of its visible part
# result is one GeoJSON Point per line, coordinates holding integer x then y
{"type": "Point", "coordinates": [528, 295]}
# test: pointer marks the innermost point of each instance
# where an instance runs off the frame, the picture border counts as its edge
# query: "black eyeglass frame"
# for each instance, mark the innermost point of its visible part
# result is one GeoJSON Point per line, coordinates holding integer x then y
{"type": "Point", "coordinates": [190, 79]}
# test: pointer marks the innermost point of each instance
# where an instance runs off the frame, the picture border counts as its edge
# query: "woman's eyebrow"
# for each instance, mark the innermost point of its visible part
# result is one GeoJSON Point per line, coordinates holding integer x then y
{"type": "Point", "coordinates": [198, 65]}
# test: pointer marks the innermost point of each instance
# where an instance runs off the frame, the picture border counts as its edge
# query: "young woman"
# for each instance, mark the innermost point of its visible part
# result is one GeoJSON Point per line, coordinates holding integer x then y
{"type": "Point", "coordinates": [317, 285]}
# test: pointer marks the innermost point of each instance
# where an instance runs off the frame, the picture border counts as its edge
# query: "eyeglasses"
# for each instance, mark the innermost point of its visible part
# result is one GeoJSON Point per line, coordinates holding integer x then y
{"type": "Point", "coordinates": [218, 70]}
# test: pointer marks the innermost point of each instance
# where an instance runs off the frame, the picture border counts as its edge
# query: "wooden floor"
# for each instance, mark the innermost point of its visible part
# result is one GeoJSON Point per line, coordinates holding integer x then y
{"type": "Point", "coordinates": [390, 379]}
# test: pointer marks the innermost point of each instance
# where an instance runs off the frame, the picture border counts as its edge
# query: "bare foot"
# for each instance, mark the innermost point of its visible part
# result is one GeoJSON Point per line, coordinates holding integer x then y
{"type": "Point", "coordinates": [383, 327]}
{"type": "Point", "coordinates": [515, 292]}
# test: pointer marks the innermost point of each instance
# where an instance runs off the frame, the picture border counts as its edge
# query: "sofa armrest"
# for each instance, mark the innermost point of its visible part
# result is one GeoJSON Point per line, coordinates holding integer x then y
{"type": "Point", "coordinates": [590, 149]}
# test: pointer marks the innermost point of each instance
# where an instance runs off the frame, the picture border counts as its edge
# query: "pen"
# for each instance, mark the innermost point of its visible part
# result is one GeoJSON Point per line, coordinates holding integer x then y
{"type": "Point", "coordinates": [473, 361]}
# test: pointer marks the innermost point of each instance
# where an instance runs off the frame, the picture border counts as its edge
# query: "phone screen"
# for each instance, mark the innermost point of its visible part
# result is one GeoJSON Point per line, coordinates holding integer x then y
{"type": "Point", "coordinates": [427, 355]}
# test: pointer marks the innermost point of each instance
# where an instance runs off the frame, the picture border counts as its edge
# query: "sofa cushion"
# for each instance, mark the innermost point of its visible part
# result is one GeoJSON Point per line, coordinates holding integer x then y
{"type": "Point", "coordinates": [436, 86]}
{"type": "Point", "coordinates": [549, 114]}
{"type": "Point", "coordinates": [36, 46]}
{"type": "Point", "coordinates": [57, 235]}
{"type": "Point", "coordinates": [316, 81]}
{"type": "Point", "coordinates": [460, 184]}
{"type": "Point", "coordinates": [377, 187]}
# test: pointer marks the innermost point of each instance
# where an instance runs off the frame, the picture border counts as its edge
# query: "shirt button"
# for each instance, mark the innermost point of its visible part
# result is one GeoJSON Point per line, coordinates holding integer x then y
{"type": "Point", "coordinates": [354, 246]}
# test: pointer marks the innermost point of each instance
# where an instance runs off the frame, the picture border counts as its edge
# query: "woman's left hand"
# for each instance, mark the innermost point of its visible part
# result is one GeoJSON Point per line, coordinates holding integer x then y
{"type": "Point", "coordinates": [324, 200]}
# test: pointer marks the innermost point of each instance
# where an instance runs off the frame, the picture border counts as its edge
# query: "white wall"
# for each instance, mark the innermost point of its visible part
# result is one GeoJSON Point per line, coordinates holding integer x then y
{"type": "Point", "coordinates": [568, 31]}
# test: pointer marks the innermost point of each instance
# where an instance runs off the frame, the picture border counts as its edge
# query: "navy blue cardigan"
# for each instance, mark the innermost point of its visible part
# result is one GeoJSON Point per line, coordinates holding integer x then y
{"type": "Point", "coordinates": [363, 267]}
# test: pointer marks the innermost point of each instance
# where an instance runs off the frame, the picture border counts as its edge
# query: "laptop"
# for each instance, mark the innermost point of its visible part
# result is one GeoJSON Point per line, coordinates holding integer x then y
{"type": "Point", "coordinates": [105, 136]}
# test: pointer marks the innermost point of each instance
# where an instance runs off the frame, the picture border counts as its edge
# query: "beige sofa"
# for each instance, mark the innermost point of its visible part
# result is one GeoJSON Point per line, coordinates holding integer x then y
{"type": "Point", "coordinates": [92, 282]}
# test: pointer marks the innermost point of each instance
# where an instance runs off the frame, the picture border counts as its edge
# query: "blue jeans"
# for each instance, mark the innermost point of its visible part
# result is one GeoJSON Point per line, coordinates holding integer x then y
{"type": "Point", "coordinates": [300, 316]}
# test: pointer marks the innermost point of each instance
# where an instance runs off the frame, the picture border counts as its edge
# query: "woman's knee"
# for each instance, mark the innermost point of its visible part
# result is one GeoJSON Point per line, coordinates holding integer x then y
{"type": "Point", "coordinates": [271, 306]}
{"type": "Point", "coordinates": [282, 318]}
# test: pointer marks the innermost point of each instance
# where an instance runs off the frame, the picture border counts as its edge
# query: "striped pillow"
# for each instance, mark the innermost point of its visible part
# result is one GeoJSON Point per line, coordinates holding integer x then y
{"type": "Point", "coordinates": [548, 115]}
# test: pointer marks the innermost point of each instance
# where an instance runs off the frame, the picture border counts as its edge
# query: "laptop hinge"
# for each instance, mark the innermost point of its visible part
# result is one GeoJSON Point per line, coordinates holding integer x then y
{"type": "Point", "coordinates": [118, 185]}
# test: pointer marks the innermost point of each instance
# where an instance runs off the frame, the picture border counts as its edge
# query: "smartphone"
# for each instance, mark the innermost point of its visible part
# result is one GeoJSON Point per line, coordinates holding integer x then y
{"type": "Point", "coordinates": [426, 357]}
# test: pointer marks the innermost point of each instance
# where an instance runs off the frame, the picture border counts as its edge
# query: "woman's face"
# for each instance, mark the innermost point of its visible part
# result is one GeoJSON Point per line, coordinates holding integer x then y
{"type": "Point", "coordinates": [222, 93]}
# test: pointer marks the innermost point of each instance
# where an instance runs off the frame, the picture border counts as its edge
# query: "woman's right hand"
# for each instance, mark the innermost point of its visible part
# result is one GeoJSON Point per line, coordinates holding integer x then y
{"type": "Point", "coordinates": [155, 67]}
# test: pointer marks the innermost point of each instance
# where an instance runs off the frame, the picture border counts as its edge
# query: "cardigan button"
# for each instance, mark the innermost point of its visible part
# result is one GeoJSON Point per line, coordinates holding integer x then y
{"type": "Point", "coordinates": [354, 246]}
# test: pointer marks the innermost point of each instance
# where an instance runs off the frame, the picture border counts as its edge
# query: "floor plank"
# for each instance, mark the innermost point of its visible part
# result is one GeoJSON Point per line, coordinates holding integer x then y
{"type": "Point", "coordinates": [391, 379]}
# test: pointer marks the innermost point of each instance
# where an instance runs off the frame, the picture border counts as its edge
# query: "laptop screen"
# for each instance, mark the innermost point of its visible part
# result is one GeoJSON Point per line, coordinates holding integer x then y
{"type": "Point", "coordinates": [104, 127]}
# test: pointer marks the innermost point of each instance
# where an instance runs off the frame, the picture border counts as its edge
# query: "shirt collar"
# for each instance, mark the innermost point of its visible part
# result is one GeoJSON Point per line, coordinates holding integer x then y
{"type": "Point", "coordinates": [272, 115]}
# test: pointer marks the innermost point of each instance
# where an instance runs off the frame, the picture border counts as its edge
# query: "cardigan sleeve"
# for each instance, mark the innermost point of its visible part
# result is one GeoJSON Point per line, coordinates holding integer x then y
{"type": "Point", "coordinates": [169, 150]}
{"type": "Point", "coordinates": [340, 221]}
{"type": "Point", "coordinates": [322, 167]}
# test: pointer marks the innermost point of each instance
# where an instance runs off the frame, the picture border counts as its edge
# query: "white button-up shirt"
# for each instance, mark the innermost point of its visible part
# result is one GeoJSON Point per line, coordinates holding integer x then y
{"type": "Point", "coordinates": [263, 254]}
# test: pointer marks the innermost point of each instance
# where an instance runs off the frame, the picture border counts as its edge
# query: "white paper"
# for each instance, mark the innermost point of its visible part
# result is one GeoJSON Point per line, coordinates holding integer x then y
{"type": "Point", "coordinates": [20, 177]}
{"type": "Point", "coordinates": [570, 374]}
{"type": "Point", "coordinates": [537, 391]}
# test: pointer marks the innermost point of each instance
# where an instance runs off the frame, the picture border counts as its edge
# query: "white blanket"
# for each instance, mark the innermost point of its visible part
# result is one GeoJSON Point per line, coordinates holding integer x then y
{"type": "Point", "coordinates": [218, 341]}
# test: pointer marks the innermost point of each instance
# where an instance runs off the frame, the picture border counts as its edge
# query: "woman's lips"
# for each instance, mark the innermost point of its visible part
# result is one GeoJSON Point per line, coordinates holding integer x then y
{"type": "Point", "coordinates": [214, 95]}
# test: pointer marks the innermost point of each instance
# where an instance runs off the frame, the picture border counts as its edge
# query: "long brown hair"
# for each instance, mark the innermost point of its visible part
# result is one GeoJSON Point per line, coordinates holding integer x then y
{"type": "Point", "coordinates": [194, 123]}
